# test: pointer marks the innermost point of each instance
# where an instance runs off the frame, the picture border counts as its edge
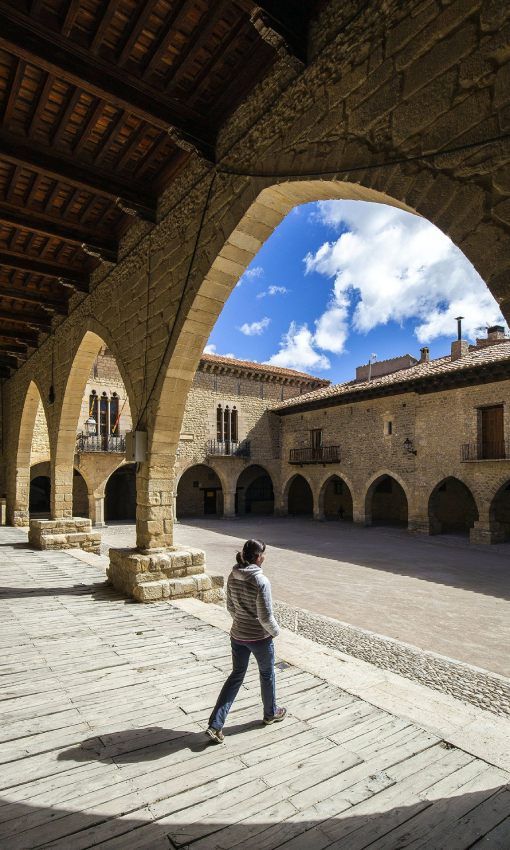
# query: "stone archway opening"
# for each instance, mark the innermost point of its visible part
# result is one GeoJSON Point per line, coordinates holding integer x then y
{"type": "Point", "coordinates": [120, 495]}
{"type": "Point", "coordinates": [80, 495]}
{"type": "Point", "coordinates": [40, 491]}
{"type": "Point", "coordinates": [500, 513]}
{"type": "Point", "coordinates": [452, 508]}
{"type": "Point", "coordinates": [336, 499]}
{"type": "Point", "coordinates": [300, 497]}
{"type": "Point", "coordinates": [199, 493]}
{"type": "Point", "coordinates": [386, 502]}
{"type": "Point", "coordinates": [254, 492]}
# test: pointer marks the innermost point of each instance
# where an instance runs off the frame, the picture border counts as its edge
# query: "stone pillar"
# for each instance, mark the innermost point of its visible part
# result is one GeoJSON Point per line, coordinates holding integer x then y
{"type": "Point", "coordinates": [64, 533]}
{"type": "Point", "coordinates": [420, 524]}
{"type": "Point", "coordinates": [280, 506]}
{"type": "Point", "coordinates": [360, 515]}
{"type": "Point", "coordinates": [18, 495]}
{"type": "Point", "coordinates": [486, 532]}
{"type": "Point", "coordinates": [157, 576]}
{"type": "Point", "coordinates": [154, 505]}
{"type": "Point", "coordinates": [229, 503]}
{"type": "Point", "coordinates": [318, 512]}
{"type": "Point", "coordinates": [61, 491]}
{"type": "Point", "coordinates": [96, 510]}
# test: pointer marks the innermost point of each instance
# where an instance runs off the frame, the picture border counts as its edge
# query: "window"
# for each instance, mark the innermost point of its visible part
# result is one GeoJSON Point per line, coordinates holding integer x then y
{"type": "Point", "coordinates": [227, 424]}
{"type": "Point", "coordinates": [103, 415]}
{"type": "Point", "coordinates": [93, 400]}
{"type": "Point", "coordinates": [114, 415]}
{"type": "Point", "coordinates": [491, 437]}
{"type": "Point", "coordinates": [219, 423]}
{"type": "Point", "coordinates": [388, 427]}
{"type": "Point", "coordinates": [233, 427]}
{"type": "Point", "coordinates": [316, 438]}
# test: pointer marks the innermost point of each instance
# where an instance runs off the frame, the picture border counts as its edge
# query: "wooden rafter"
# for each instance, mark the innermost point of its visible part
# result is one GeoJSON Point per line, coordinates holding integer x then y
{"type": "Point", "coordinates": [20, 152]}
{"type": "Point", "coordinates": [24, 337]}
{"type": "Point", "coordinates": [14, 347]}
{"type": "Point", "coordinates": [37, 320]}
{"type": "Point", "coordinates": [31, 41]}
{"type": "Point", "coordinates": [136, 30]}
{"type": "Point", "coordinates": [41, 299]}
{"type": "Point", "coordinates": [74, 8]}
{"type": "Point", "coordinates": [18, 260]}
{"type": "Point", "coordinates": [195, 44]}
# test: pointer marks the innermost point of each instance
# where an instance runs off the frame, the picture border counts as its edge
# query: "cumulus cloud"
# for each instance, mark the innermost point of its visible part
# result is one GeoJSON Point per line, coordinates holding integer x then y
{"type": "Point", "coordinates": [389, 265]}
{"type": "Point", "coordinates": [255, 328]}
{"type": "Point", "coordinates": [297, 350]}
{"type": "Point", "coordinates": [250, 274]}
{"type": "Point", "coordinates": [211, 349]}
{"type": "Point", "coordinates": [273, 290]}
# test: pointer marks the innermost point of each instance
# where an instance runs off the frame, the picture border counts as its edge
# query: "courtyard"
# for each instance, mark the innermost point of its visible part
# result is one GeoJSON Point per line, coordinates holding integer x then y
{"type": "Point", "coordinates": [104, 704]}
{"type": "Point", "coordinates": [440, 594]}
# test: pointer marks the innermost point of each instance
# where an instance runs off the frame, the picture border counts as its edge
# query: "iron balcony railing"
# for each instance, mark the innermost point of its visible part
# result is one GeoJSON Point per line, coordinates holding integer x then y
{"type": "Point", "coordinates": [499, 450]}
{"type": "Point", "coordinates": [318, 454]}
{"type": "Point", "coordinates": [102, 443]}
{"type": "Point", "coordinates": [229, 448]}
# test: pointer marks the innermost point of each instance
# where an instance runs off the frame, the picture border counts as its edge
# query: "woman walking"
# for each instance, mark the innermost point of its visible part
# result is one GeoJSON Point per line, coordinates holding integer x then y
{"type": "Point", "coordinates": [253, 629]}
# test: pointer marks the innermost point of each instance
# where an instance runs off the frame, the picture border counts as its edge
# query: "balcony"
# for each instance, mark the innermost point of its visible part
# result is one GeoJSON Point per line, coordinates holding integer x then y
{"type": "Point", "coordinates": [104, 443]}
{"type": "Point", "coordinates": [499, 450]}
{"type": "Point", "coordinates": [228, 448]}
{"type": "Point", "coordinates": [318, 454]}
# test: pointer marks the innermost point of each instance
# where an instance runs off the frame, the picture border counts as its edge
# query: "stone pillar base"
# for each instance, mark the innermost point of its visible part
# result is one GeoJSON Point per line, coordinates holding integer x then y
{"type": "Point", "coordinates": [169, 574]}
{"type": "Point", "coordinates": [20, 519]}
{"type": "Point", "coordinates": [69, 533]}
{"type": "Point", "coordinates": [419, 526]}
{"type": "Point", "coordinates": [486, 534]}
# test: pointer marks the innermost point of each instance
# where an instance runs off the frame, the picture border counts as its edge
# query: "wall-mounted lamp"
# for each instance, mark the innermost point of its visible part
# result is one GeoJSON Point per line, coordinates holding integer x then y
{"type": "Point", "coordinates": [90, 427]}
{"type": "Point", "coordinates": [408, 446]}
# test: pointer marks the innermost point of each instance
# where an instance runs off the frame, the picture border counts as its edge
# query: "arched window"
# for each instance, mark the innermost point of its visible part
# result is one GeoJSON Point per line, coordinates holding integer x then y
{"type": "Point", "coordinates": [219, 424]}
{"type": "Point", "coordinates": [233, 426]}
{"type": "Point", "coordinates": [103, 415]}
{"type": "Point", "coordinates": [93, 405]}
{"type": "Point", "coordinates": [114, 415]}
{"type": "Point", "coordinates": [226, 425]}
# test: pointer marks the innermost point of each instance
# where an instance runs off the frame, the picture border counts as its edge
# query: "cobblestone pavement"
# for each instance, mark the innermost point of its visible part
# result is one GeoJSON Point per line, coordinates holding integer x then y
{"type": "Point", "coordinates": [104, 703]}
{"type": "Point", "coordinates": [437, 593]}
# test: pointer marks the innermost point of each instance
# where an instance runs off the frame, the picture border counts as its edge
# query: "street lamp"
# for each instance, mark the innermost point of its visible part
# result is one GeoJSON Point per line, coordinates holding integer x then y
{"type": "Point", "coordinates": [90, 427]}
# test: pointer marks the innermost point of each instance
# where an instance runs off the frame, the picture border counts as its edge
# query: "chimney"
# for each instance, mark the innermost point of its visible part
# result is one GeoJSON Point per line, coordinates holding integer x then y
{"type": "Point", "coordinates": [424, 355]}
{"type": "Point", "coordinates": [496, 332]}
{"type": "Point", "coordinates": [461, 346]}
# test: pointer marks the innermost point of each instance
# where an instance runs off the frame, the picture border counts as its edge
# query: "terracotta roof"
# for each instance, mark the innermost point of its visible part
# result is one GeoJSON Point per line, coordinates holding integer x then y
{"type": "Point", "coordinates": [442, 366]}
{"type": "Point", "coordinates": [261, 367]}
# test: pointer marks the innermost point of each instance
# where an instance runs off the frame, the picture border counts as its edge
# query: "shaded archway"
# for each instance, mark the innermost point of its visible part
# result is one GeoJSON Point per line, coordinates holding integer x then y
{"type": "Point", "coordinates": [80, 495]}
{"type": "Point", "coordinates": [299, 497]}
{"type": "Point", "coordinates": [500, 512]}
{"type": "Point", "coordinates": [254, 492]}
{"type": "Point", "coordinates": [19, 481]}
{"type": "Point", "coordinates": [199, 492]}
{"type": "Point", "coordinates": [40, 490]}
{"type": "Point", "coordinates": [452, 508]}
{"type": "Point", "coordinates": [335, 499]}
{"type": "Point", "coordinates": [120, 494]}
{"type": "Point", "coordinates": [386, 502]}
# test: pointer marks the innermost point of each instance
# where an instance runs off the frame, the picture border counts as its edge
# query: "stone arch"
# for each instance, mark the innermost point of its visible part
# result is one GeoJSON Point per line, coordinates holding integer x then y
{"type": "Point", "coordinates": [336, 498]}
{"type": "Point", "coordinates": [298, 496]}
{"type": "Point", "coordinates": [452, 507]}
{"type": "Point", "coordinates": [80, 494]}
{"type": "Point", "coordinates": [120, 494]}
{"type": "Point", "coordinates": [387, 500]}
{"type": "Point", "coordinates": [254, 491]}
{"type": "Point", "coordinates": [500, 513]}
{"type": "Point", "coordinates": [39, 502]}
{"type": "Point", "coordinates": [199, 492]}
{"type": "Point", "coordinates": [82, 361]}
{"type": "Point", "coordinates": [19, 484]}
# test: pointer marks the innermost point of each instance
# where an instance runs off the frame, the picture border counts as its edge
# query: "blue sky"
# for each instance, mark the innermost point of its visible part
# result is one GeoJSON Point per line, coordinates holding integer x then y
{"type": "Point", "coordinates": [339, 281]}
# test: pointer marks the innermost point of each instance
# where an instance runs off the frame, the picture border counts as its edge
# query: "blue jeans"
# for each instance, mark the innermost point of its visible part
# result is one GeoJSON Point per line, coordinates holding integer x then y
{"type": "Point", "coordinates": [263, 651]}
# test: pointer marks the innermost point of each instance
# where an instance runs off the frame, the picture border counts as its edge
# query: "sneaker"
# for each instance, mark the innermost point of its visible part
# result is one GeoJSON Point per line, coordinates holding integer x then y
{"type": "Point", "coordinates": [277, 717]}
{"type": "Point", "coordinates": [216, 735]}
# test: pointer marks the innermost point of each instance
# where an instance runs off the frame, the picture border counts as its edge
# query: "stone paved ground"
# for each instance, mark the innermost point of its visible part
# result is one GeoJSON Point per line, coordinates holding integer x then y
{"type": "Point", "coordinates": [437, 593]}
{"type": "Point", "coordinates": [103, 704]}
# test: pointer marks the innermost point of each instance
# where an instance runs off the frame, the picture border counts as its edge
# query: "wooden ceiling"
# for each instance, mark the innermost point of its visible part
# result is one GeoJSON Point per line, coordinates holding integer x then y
{"type": "Point", "coordinates": [101, 102]}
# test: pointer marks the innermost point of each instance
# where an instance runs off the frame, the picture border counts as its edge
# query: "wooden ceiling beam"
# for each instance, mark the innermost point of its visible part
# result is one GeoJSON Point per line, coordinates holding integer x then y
{"type": "Point", "coordinates": [24, 337]}
{"type": "Point", "coordinates": [36, 320]}
{"type": "Point", "coordinates": [22, 153]}
{"type": "Point", "coordinates": [32, 42]}
{"type": "Point", "coordinates": [47, 302]}
{"type": "Point", "coordinates": [197, 41]}
{"type": "Point", "coordinates": [33, 265]}
{"type": "Point", "coordinates": [14, 347]}
{"type": "Point", "coordinates": [45, 225]}
{"type": "Point", "coordinates": [9, 362]}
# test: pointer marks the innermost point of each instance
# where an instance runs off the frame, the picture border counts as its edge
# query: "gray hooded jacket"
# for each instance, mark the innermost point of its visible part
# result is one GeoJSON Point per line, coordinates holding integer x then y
{"type": "Point", "coordinates": [249, 602]}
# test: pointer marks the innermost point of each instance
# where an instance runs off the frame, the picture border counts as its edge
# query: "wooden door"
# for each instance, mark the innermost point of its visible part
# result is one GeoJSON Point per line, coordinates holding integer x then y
{"type": "Point", "coordinates": [492, 443]}
{"type": "Point", "coordinates": [209, 502]}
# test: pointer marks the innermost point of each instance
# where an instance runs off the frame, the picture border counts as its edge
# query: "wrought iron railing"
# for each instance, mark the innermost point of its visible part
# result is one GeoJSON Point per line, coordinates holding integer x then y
{"type": "Point", "coordinates": [101, 443]}
{"type": "Point", "coordinates": [229, 448]}
{"type": "Point", "coordinates": [318, 454]}
{"type": "Point", "coordinates": [498, 450]}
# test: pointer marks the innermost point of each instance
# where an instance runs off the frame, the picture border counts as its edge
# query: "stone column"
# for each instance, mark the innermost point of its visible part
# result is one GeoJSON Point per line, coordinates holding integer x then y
{"type": "Point", "coordinates": [18, 493]}
{"type": "Point", "coordinates": [360, 515]}
{"type": "Point", "coordinates": [61, 491]}
{"type": "Point", "coordinates": [229, 503]}
{"type": "Point", "coordinates": [486, 532]}
{"type": "Point", "coordinates": [154, 505]}
{"type": "Point", "coordinates": [96, 509]}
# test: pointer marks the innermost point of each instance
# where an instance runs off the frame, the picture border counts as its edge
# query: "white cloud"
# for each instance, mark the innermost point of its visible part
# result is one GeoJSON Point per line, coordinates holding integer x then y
{"type": "Point", "coordinates": [255, 328]}
{"type": "Point", "coordinates": [211, 349]}
{"type": "Point", "coordinates": [250, 274]}
{"type": "Point", "coordinates": [395, 266]}
{"type": "Point", "coordinates": [297, 350]}
{"type": "Point", "coordinates": [273, 290]}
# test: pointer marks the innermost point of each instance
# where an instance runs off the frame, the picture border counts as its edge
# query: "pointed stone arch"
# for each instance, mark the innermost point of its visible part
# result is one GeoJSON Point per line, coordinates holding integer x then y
{"type": "Point", "coordinates": [452, 507]}
{"type": "Point", "coordinates": [335, 499]}
{"type": "Point", "coordinates": [19, 471]}
{"type": "Point", "coordinates": [387, 500]}
{"type": "Point", "coordinates": [254, 491]}
{"type": "Point", "coordinates": [499, 514]}
{"type": "Point", "coordinates": [298, 496]}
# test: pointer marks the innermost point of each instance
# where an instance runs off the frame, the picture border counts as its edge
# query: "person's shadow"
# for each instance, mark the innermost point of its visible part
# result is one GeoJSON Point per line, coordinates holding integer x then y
{"type": "Point", "coordinates": [146, 744]}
